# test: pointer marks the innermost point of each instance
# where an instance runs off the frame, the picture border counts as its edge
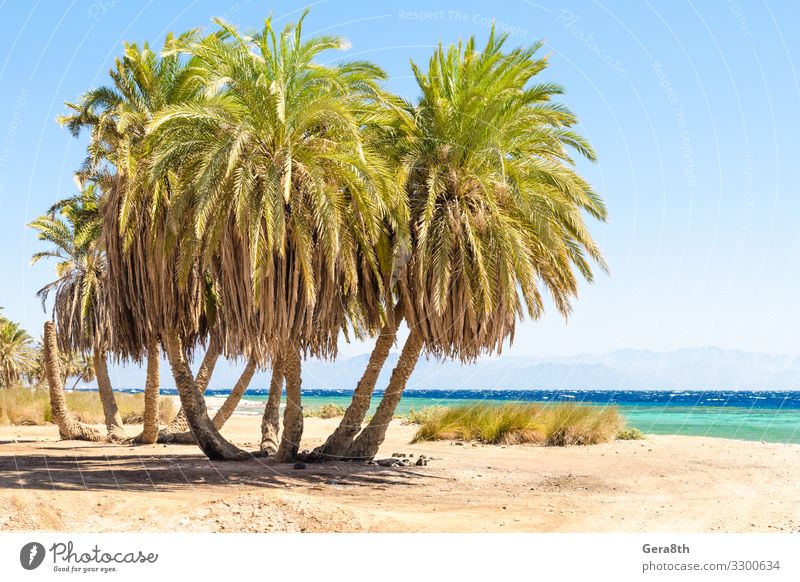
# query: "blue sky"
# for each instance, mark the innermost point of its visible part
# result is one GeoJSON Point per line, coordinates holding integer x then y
{"type": "Point", "coordinates": [692, 108]}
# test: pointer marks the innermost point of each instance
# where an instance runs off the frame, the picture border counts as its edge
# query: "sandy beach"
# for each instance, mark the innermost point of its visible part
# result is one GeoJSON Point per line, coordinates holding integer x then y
{"type": "Point", "coordinates": [661, 484]}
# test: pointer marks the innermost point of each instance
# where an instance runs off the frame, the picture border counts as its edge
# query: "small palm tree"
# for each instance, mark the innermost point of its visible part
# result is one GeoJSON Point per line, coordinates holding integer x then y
{"type": "Point", "coordinates": [79, 366]}
{"type": "Point", "coordinates": [36, 375]}
{"type": "Point", "coordinates": [17, 355]}
{"type": "Point", "coordinates": [72, 227]}
{"type": "Point", "coordinates": [73, 364]}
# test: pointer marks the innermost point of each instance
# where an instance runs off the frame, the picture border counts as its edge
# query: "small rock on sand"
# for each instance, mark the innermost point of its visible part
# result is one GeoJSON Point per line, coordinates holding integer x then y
{"type": "Point", "coordinates": [387, 462]}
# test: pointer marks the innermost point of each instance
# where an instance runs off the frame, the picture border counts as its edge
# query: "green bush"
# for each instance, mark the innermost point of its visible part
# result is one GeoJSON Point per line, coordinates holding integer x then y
{"type": "Point", "coordinates": [630, 434]}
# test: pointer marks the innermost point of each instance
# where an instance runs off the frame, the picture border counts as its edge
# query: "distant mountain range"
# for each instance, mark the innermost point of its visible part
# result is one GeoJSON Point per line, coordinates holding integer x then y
{"type": "Point", "coordinates": [705, 368]}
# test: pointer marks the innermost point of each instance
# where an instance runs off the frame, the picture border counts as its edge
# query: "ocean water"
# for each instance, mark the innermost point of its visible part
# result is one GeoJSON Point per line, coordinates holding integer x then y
{"type": "Point", "coordinates": [771, 416]}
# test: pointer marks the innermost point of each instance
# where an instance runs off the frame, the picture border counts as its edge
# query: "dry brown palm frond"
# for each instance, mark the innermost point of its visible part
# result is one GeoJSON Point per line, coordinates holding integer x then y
{"type": "Point", "coordinates": [146, 293]}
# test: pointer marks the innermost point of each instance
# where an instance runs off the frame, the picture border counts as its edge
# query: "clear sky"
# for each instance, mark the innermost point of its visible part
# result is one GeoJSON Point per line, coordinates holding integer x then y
{"type": "Point", "coordinates": [693, 108]}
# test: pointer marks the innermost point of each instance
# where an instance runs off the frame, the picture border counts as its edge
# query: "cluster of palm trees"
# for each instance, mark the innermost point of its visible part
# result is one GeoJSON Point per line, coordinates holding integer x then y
{"type": "Point", "coordinates": [21, 359]}
{"type": "Point", "coordinates": [17, 353]}
{"type": "Point", "coordinates": [245, 196]}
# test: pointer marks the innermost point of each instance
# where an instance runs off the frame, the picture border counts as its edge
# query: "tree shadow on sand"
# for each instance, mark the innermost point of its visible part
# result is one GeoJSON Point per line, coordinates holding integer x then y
{"type": "Point", "coordinates": [145, 472]}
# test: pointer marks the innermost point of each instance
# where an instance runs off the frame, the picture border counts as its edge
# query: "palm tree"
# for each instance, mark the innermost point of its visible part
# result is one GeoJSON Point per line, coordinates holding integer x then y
{"type": "Point", "coordinates": [79, 366]}
{"type": "Point", "coordinates": [149, 298]}
{"type": "Point", "coordinates": [286, 198]}
{"type": "Point", "coordinates": [496, 209]}
{"type": "Point", "coordinates": [79, 309]}
{"type": "Point", "coordinates": [393, 253]}
{"type": "Point", "coordinates": [35, 375]}
{"type": "Point", "coordinates": [17, 355]}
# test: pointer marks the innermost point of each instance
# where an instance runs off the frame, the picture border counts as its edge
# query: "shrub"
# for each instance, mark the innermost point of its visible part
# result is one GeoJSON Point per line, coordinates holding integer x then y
{"type": "Point", "coordinates": [544, 424]}
{"type": "Point", "coordinates": [630, 434]}
{"type": "Point", "coordinates": [327, 410]}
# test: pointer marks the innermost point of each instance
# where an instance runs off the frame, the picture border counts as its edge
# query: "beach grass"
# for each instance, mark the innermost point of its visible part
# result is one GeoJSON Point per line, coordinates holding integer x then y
{"type": "Point", "coordinates": [515, 423]}
{"type": "Point", "coordinates": [29, 406]}
{"type": "Point", "coordinates": [327, 410]}
{"type": "Point", "coordinates": [424, 414]}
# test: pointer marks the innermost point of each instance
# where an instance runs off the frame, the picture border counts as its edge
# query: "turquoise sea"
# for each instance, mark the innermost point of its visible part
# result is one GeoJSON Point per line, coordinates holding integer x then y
{"type": "Point", "coordinates": [772, 416]}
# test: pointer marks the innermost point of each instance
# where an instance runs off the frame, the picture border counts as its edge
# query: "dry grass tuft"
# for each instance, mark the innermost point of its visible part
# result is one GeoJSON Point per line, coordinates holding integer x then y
{"type": "Point", "coordinates": [513, 423]}
{"type": "Point", "coordinates": [327, 410]}
{"type": "Point", "coordinates": [423, 415]}
{"type": "Point", "coordinates": [27, 406]}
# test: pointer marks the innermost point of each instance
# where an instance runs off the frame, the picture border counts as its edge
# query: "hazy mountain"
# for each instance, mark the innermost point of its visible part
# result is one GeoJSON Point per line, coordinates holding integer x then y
{"type": "Point", "coordinates": [705, 368]}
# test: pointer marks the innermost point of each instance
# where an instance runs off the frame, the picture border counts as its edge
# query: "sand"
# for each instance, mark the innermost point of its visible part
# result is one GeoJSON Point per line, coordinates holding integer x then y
{"type": "Point", "coordinates": [661, 484]}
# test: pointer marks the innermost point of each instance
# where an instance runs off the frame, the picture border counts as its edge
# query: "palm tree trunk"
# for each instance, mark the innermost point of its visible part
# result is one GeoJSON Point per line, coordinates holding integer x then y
{"type": "Point", "coordinates": [68, 427]}
{"type": "Point", "coordinates": [75, 383]}
{"type": "Point", "coordinates": [342, 438]}
{"type": "Point", "coordinates": [111, 413]}
{"type": "Point", "coordinates": [205, 433]}
{"type": "Point", "coordinates": [151, 392]}
{"type": "Point", "coordinates": [367, 442]}
{"type": "Point", "coordinates": [179, 424]}
{"type": "Point", "coordinates": [293, 414]}
{"type": "Point", "coordinates": [203, 376]}
{"type": "Point", "coordinates": [227, 408]}
{"type": "Point", "coordinates": [270, 423]}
